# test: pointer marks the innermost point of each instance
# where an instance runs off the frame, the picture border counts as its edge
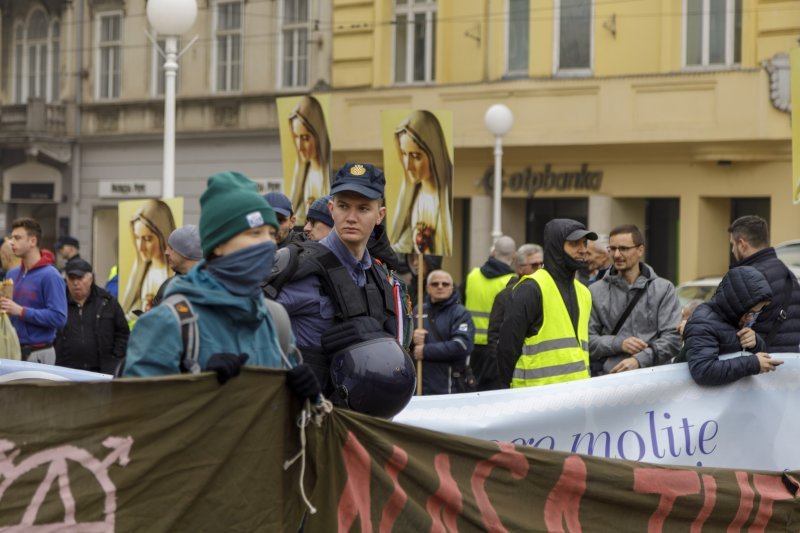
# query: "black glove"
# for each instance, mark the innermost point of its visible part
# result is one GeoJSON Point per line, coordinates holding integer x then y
{"type": "Point", "coordinates": [303, 382]}
{"type": "Point", "coordinates": [350, 332]}
{"type": "Point", "coordinates": [226, 365]}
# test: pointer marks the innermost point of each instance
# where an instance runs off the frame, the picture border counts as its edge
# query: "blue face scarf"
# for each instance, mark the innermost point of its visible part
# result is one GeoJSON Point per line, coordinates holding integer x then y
{"type": "Point", "coordinates": [244, 271]}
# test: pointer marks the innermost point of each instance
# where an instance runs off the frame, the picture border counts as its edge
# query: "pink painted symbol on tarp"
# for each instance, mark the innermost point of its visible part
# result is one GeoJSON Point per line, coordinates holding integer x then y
{"type": "Point", "coordinates": [57, 460]}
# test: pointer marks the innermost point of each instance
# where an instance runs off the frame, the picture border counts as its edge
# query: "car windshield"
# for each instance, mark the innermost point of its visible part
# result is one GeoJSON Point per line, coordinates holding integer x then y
{"type": "Point", "coordinates": [789, 254]}
{"type": "Point", "coordinates": [695, 292]}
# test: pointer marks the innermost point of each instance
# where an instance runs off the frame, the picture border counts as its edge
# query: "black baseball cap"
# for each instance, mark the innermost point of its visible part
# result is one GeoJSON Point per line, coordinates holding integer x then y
{"type": "Point", "coordinates": [361, 178]}
{"type": "Point", "coordinates": [578, 234]}
{"type": "Point", "coordinates": [77, 267]}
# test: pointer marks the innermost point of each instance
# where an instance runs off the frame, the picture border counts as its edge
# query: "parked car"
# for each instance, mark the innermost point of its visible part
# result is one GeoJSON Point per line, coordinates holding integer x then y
{"type": "Point", "coordinates": [789, 252]}
{"type": "Point", "coordinates": [700, 289]}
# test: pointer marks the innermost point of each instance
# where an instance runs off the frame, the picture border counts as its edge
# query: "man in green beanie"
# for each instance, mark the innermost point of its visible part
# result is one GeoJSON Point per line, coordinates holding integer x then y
{"type": "Point", "coordinates": [222, 294]}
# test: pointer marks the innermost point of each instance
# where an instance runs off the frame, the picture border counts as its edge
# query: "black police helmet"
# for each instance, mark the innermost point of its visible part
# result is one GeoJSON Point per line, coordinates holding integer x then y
{"type": "Point", "coordinates": [374, 377]}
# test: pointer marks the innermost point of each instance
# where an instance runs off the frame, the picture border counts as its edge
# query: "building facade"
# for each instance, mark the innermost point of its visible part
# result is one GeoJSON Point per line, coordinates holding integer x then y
{"type": "Point", "coordinates": [81, 104]}
{"type": "Point", "coordinates": [672, 115]}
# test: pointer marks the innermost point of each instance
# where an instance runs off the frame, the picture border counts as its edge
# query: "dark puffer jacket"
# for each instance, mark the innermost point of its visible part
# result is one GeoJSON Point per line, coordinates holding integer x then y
{"type": "Point", "coordinates": [449, 341]}
{"type": "Point", "coordinates": [777, 273]}
{"type": "Point", "coordinates": [711, 331]}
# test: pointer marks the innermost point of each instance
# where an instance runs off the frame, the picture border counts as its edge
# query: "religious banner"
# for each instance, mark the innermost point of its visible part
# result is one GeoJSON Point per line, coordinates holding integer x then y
{"type": "Point", "coordinates": [144, 227]}
{"type": "Point", "coordinates": [418, 164]}
{"type": "Point", "coordinates": [305, 150]}
{"type": "Point", "coordinates": [794, 73]}
{"type": "Point", "coordinates": [655, 415]}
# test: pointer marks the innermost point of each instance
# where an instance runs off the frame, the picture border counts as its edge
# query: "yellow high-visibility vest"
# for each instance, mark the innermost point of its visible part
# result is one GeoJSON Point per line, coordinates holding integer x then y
{"type": "Point", "coordinates": [555, 354]}
{"type": "Point", "coordinates": [480, 295]}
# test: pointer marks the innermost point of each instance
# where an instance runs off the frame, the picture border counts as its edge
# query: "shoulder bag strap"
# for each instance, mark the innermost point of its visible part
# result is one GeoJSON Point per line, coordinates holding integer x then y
{"type": "Point", "coordinates": [782, 315]}
{"type": "Point", "coordinates": [628, 310]}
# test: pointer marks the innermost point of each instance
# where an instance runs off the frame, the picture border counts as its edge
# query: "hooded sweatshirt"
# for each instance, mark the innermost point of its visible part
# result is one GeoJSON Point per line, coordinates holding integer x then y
{"type": "Point", "coordinates": [524, 315]}
{"type": "Point", "coordinates": [711, 330]}
{"type": "Point", "coordinates": [41, 292]}
{"type": "Point", "coordinates": [227, 323]}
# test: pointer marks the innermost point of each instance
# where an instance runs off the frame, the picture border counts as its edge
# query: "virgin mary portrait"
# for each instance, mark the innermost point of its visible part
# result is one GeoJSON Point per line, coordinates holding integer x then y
{"type": "Point", "coordinates": [151, 225]}
{"type": "Point", "coordinates": [422, 220]}
{"type": "Point", "coordinates": [312, 167]}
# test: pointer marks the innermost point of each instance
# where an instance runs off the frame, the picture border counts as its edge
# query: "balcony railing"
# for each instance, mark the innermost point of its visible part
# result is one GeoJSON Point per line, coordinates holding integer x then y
{"type": "Point", "coordinates": [37, 117]}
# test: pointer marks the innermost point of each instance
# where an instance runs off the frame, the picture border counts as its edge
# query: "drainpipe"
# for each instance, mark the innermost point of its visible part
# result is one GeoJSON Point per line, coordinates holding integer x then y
{"type": "Point", "coordinates": [76, 146]}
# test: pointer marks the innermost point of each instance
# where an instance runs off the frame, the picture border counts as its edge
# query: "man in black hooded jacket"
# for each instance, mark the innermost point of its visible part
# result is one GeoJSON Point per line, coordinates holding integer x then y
{"type": "Point", "coordinates": [553, 287]}
{"type": "Point", "coordinates": [779, 324]}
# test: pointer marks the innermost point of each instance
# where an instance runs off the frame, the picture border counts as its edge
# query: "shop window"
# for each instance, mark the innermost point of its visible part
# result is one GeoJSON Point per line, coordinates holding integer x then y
{"type": "Point", "coordinates": [227, 52]}
{"type": "Point", "coordinates": [518, 32]}
{"type": "Point", "coordinates": [573, 32]}
{"type": "Point", "coordinates": [661, 232]}
{"type": "Point", "coordinates": [294, 43]}
{"type": "Point", "coordinates": [414, 41]}
{"type": "Point", "coordinates": [109, 52]}
{"type": "Point", "coordinates": [713, 32]}
{"type": "Point", "coordinates": [540, 211]}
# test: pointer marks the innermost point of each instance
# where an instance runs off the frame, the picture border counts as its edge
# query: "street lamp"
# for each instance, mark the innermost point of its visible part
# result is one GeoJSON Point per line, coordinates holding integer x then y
{"type": "Point", "coordinates": [170, 18]}
{"type": "Point", "coordinates": [498, 121]}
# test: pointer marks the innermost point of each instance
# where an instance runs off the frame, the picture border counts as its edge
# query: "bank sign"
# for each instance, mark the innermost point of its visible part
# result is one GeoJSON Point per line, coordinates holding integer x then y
{"type": "Point", "coordinates": [530, 180]}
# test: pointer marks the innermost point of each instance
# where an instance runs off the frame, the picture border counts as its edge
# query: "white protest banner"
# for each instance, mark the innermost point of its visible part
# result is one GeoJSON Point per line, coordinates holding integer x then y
{"type": "Point", "coordinates": [655, 415]}
{"type": "Point", "coordinates": [12, 370]}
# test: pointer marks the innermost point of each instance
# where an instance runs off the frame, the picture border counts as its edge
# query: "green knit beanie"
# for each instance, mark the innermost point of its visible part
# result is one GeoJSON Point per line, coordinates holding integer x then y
{"type": "Point", "coordinates": [230, 205]}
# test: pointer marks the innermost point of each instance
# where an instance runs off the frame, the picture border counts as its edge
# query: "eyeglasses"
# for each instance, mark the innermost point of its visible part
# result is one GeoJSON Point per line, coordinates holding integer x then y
{"type": "Point", "coordinates": [437, 284]}
{"type": "Point", "coordinates": [622, 249]}
{"type": "Point", "coordinates": [538, 264]}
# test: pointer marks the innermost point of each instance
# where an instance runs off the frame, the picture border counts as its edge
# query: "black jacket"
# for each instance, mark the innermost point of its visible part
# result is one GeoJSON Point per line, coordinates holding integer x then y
{"type": "Point", "coordinates": [449, 341]}
{"type": "Point", "coordinates": [524, 316]}
{"type": "Point", "coordinates": [711, 330]}
{"type": "Point", "coordinates": [778, 274]}
{"type": "Point", "coordinates": [498, 316]}
{"type": "Point", "coordinates": [100, 317]}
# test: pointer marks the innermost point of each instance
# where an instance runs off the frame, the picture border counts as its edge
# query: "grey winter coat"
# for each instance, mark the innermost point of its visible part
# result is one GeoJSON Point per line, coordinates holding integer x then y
{"type": "Point", "coordinates": [654, 319]}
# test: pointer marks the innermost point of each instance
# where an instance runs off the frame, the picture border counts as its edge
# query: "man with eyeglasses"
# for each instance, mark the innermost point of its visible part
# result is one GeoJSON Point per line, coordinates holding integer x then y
{"type": "Point", "coordinates": [546, 330]}
{"type": "Point", "coordinates": [634, 312]}
{"type": "Point", "coordinates": [723, 325]}
{"type": "Point", "coordinates": [445, 340]}
{"type": "Point", "coordinates": [529, 259]}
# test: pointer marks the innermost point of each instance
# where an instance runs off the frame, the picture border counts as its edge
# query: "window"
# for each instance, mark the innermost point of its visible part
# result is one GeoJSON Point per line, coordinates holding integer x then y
{"type": "Point", "coordinates": [109, 48]}
{"type": "Point", "coordinates": [518, 32]}
{"type": "Point", "coordinates": [19, 65]}
{"type": "Point", "coordinates": [574, 36]}
{"type": "Point", "coordinates": [55, 63]}
{"type": "Point", "coordinates": [414, 41]}
{"type": "Point", "coordinates": [713, 32]}
{"type": "Point", "coordinates": [157, 72]}
{"type": "Point", "coordinates": [294, 42]}
{"type": "Point", "coordinates": [37, 48]}
{"type": "Point", "coordinates": [36, 43]}
{"type": "Point", "coordinates": [227, 56]}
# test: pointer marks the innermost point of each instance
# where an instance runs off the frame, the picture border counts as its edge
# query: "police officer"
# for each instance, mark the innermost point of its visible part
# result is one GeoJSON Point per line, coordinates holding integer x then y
{"type": "Point", "coordinates": [284, 213]}
{"type": "Point", "coordinates": [319, 222]}
{"type": "Point", "coordinates": [533, 351]}
{"type": "Point", "coordinates": [338, 282]}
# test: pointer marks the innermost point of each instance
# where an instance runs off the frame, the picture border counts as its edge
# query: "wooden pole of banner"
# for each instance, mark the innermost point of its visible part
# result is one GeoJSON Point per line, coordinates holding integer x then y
{"type": "Point", "coordinates": [420, 302]}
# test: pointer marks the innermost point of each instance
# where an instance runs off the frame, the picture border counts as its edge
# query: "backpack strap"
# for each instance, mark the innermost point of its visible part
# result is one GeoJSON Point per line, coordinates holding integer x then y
{"type": "Point", "coordinates": [284, 326]}
{"type": "Point", "coordinates": [190, 333]}
{"type": "Point", "coordinates": [626, 313]}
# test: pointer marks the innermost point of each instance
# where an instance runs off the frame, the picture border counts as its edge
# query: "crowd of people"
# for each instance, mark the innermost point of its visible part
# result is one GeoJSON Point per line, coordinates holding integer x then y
{"type": "Point", "coordinates": [251, 288]}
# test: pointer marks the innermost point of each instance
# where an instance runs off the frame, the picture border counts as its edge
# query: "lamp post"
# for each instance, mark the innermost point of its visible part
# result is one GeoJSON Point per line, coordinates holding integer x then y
{"type": "Point", "coordinates": [170, 18]}
{"type": "Point", "coordinates": [498, 121]}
